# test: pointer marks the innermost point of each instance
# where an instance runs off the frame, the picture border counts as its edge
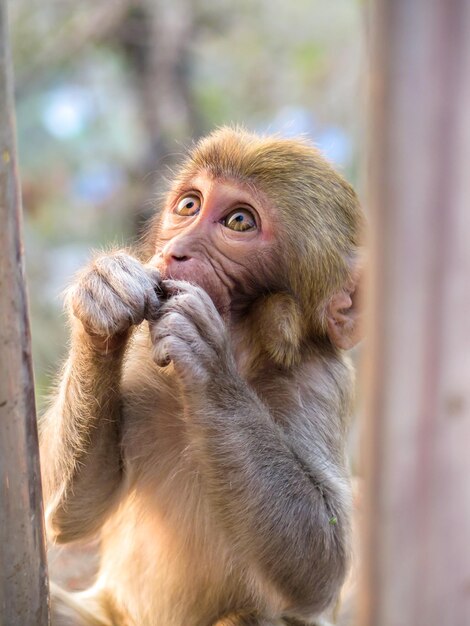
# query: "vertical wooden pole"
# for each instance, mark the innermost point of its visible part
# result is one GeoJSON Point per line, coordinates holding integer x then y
{"type": "Point", "coordinates": [417, 518]}
{"type": "Point", "coordinates": [23, 575]}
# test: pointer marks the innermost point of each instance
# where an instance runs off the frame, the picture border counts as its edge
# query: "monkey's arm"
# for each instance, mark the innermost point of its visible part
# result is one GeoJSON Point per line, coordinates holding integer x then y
{"type": "Point", "coordinates": [79, 437]}
{"type": "Point", "coordinates": [282, 495]}
{"type": "Point", "coordinates": [79, 434]}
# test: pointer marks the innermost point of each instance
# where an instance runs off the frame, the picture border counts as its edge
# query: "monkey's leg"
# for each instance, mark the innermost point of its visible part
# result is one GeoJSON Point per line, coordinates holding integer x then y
{"type": "Point", "coordinates": [77, 609]}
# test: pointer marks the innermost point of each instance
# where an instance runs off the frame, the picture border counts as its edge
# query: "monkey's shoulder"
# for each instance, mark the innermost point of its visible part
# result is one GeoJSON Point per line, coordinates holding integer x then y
{"type": "Point", "coordinates": [319, 379]}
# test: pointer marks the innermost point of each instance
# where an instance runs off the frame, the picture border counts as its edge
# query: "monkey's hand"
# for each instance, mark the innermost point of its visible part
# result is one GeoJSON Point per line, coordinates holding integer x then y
{"type": "Point", "coordinates": [191, 333]}
{"type": "Point", "coordinates": [113, 293]}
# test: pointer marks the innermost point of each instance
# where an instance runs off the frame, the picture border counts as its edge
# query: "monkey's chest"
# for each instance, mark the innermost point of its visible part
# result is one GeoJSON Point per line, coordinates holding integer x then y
{"type": "Point", "coordinates": [175, 561]}
{"type": "Point", "coordinates": [173, 569]}
{"type": "Point", "coordinates": [169, 543]}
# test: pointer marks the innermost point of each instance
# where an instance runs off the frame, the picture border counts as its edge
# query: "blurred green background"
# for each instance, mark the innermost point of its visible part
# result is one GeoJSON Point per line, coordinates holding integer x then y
{"type": "Point", "coordinates": [109, 93]}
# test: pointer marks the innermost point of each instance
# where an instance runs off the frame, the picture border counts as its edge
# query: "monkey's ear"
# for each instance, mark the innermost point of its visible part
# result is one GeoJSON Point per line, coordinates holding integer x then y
{"type": "Point", "coordinates": [278, 327]}
{"type": "Point", "coordinates": [344, 317]}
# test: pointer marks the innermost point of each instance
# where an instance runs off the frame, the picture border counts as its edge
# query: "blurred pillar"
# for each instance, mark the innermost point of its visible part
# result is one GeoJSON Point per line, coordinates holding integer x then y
{"type": "Point", "coordinates": [23, 575]}
{"type": "Point", "coordinates": [417, 514]}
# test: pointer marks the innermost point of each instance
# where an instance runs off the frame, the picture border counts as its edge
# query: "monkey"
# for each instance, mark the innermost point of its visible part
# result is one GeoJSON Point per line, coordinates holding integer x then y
{"type": "Point", "coordinates": [200, 420]}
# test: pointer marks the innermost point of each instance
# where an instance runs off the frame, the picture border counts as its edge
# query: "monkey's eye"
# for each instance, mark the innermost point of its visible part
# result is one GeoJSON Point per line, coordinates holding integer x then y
{"type": "Point", "coordinates": [189, 205]}
{"type": "Point", "coordinates": [240, 220]}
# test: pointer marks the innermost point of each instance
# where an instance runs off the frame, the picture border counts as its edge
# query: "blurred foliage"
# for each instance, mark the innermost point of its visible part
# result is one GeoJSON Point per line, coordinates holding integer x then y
{"type": "Point", "coordinates": [109, 93]}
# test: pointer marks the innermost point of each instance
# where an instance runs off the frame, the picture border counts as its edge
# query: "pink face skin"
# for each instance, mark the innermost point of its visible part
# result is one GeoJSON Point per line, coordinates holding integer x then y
{"type": "Point", "coordinates": [214, 233]}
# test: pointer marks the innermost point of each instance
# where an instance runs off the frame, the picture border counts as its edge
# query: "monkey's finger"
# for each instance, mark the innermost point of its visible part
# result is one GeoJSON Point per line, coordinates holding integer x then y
{"type": "Point", "coordinates": [119, 302]}
{"type": "Point", "coordinates": [155, 279]}
{"type": "Point", "coordinates": [178, 287]}
{"type": "Point", "coordinates": [172, 287]}
{"type": "Point", "coordinates": [152, 304]}
{"type": "Point", "coordinates": [118, 267]}
{"type": "Point", "coordinates": [154, 275]}
{"type": "Point", "coordinates": [208, 328]}
{"type": "Point", "coordinates": [189, 370]}
{"type": "Point", "coordinates": [100, 311]}
{"type": "Point", "coordinates": [154, 294]}
{"type": "Point", "coordinates": [176, 350]}
{"type": "Point", "coordinates": [173, 323]}
{"type": "Point", "coordinates": [127, 277]}
{"type": "Point", "coordinates": [197, 306]}
{"type": "Point", "coordinates": [160, 354]}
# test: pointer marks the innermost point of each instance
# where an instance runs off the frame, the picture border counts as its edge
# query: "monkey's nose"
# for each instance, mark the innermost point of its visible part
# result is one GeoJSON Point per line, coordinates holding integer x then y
{"type": "Point", "coordinates": [176, 251]}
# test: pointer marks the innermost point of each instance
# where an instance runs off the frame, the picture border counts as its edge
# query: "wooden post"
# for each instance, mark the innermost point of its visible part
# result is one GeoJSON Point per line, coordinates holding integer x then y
{"type": "Point", "coordinates": [417, 514]}
{"type": "Point", "coordinates": [23, 574]}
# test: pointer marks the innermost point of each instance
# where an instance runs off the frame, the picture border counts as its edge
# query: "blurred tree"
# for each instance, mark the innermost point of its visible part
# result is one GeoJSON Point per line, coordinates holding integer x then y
{"type": "Point", "coordinates": [109, 92]}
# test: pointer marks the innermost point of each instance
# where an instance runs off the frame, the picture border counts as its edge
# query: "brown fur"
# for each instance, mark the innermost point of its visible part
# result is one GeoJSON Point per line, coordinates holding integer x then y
{"type": "Point", "coordinates": [208, 446]}
{"type": "Point", "coordinates": [278, 326]}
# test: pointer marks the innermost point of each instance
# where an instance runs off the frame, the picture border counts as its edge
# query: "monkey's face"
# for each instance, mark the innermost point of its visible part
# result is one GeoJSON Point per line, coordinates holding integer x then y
{"type": "Point", "coordinates": [218, 234]}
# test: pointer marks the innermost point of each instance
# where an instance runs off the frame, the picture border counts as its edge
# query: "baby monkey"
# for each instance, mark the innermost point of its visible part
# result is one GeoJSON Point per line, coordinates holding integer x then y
{"type": "Point", "coordinates": [201, 418]}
